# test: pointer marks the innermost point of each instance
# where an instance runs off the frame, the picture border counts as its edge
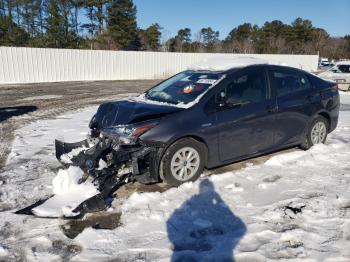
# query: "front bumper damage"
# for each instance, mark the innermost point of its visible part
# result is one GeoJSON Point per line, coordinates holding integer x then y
{"type": "Point", "coordinates": [110, 161]}
{"type": "Point", "coordinates": [119, 154]}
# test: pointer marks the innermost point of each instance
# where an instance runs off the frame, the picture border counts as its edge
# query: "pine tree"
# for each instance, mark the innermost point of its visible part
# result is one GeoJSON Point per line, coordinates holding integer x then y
{"type": "Point", "coordinates": [121, 25]}
{"type": "Point", "coordinates": [54, 25]}
{"type": "Point", "coordinates": [11, 34]}
{"type": "Point", "coordinates": [150, 37]}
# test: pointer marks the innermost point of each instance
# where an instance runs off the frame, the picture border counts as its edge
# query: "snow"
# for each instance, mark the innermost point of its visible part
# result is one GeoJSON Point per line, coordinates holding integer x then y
{"type": "Point", "coordinates": [68, 194]}
{"type": "Point", "coordinates": [43, 97]}
{"type": "Point", "coordinates": [66, 158]}
{"type": "Point", "coordinates": [245, 214]}
{"type": "Point", "coordinates": [3, 252]}
{"type": "Point", "coordinates": [222, 63]}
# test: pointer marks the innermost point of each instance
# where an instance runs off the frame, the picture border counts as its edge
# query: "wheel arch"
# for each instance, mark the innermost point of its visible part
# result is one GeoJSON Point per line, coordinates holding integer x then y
{"type": "Point", "coordinates": [194, 137]}
{"type": "Point", "coordinates": [326, 116]}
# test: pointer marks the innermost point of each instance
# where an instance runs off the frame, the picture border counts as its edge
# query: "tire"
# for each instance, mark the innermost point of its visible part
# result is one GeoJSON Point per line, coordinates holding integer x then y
{"type": "Point", "coordinates": [308, 142]}
{"type": "Point", "coordinates": [174, 169]}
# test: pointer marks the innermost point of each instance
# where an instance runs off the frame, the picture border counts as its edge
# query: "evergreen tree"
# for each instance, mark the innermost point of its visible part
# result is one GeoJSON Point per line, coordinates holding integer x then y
{"type": "Point", "coordinates": [121, 25]}
{"type": "Point", "coordinates": [150, 37]}
{"type": "Point", "coordinates": [54, 25]}
{"type": "Point", "coordinates": [11, 34]}
{"type": "Point", "coordinates": [209, 37]}
{"type": "Point", "coordinates": [2, 8]}
{"type": "Point", "coordinates": [182, 40]}
{"type": "Point", "coordinates": [184, 35]}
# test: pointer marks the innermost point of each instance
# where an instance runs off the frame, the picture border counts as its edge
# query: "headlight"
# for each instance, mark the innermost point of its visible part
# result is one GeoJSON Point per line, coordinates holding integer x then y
{"type": "Point", "coordinates": [130, 131]}
{"type": "Point", "coordinates": [141, 130]}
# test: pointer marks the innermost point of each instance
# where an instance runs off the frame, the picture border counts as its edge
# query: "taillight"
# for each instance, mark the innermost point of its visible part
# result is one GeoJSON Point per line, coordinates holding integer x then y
{"type": "Point", "coordinates": [335, 87]}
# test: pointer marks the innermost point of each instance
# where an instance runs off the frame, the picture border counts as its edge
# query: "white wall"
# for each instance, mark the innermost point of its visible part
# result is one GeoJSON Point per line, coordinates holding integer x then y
{"type": "Point", "coordinates": [30, 65]}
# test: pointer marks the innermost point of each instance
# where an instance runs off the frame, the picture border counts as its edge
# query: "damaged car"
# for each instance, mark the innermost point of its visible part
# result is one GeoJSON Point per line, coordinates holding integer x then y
{"type": "Point", "coordinates": [201, 118]}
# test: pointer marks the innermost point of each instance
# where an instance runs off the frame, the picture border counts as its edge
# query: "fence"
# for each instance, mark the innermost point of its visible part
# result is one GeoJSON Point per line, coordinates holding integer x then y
{"type": "Point", "coordinates": [31, 65]}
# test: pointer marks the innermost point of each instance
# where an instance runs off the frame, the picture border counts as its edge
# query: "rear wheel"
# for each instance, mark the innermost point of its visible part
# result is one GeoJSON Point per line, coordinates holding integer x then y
{"type": "Point", "coordinates": [317, 133]}
{"type": "Point", "coordinates": [183, 161]}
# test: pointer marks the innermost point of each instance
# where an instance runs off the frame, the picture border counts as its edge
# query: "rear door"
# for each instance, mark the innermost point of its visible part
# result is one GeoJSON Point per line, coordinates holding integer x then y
{"type": "Point", "coordinates": [247, 128]}
{"type": "Point", "coordinates": [296, 101]}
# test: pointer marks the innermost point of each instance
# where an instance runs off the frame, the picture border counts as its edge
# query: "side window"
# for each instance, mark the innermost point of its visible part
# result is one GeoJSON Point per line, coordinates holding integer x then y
{"type": "Point", "coordinates": [287, 81]}
{"type": "Point", "coordinates": [249, 87]}
{"type": "Point", "coordinates": [344, 68]}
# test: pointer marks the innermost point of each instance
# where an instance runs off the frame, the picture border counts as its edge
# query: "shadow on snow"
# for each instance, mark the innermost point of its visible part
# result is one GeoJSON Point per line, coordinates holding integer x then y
{"type": "Point", "coordinates": [204, 228]}
{"type": "Point", "coordinates": [8, 112]}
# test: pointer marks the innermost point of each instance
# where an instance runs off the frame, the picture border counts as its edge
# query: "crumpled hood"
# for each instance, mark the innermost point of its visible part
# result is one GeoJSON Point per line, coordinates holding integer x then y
{"type": "Point", "coordinates": [129, 112]}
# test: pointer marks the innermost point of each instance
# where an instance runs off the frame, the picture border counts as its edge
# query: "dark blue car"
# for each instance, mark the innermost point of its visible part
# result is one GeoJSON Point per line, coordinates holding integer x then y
{"type": "Point", "coordinates": [203, 119]}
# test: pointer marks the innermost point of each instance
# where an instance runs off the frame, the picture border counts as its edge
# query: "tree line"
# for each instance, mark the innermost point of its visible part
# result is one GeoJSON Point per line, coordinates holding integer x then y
{"type": "Point", "coordinates": [112, 25]}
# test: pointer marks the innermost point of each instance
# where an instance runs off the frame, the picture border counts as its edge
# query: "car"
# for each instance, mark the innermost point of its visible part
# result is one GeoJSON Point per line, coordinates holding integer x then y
{"type": "Point", "coordinates": [339, 73]}
{"type": "Point", "coordinates": [208, 117]}
{"type": "Point", "coordinates": [213, 114]}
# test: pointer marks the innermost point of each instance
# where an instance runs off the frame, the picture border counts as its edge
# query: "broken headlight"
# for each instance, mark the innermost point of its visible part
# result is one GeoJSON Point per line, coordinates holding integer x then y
{"type": "Point", "coordinates": [130, 130]}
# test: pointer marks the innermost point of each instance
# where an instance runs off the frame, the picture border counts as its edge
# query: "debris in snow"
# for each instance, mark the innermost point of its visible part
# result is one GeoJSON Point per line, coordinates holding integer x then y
{"type": "Point", "coordinates": [222, 63]}
{"type": "Point", "coordinates": [68, 194]}
{"type": "Point", "coordinates": [294, 209]}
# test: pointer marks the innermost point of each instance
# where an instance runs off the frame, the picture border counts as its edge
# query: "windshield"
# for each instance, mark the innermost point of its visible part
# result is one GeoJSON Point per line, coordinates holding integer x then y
{"type": "Point", "coordinates": [183, 87]}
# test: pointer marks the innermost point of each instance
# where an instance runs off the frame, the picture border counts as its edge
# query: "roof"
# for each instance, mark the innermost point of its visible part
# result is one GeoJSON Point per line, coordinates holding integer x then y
{"type": "Point", "coordinates": [346, 62]}
{"type": "Point", "coordinates": [220, 63]}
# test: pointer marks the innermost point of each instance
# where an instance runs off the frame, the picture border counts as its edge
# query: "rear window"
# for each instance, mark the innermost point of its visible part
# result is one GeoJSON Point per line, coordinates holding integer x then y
{"type": "Point", "coordinates": [318, 82]}
{"type": "Point", "coordinates": [287, 81]}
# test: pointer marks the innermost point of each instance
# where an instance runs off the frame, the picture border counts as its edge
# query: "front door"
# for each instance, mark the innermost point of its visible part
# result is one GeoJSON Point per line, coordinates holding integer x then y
{"type": "Point", "coordinates": [245, 121]}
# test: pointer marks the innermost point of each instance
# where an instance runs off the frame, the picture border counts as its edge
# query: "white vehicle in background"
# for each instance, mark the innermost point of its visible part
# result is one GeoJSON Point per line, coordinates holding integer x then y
{"type": "Point", "coordinates": [323, 62]}
{"type": "Point", "coordinates": [340, 73]}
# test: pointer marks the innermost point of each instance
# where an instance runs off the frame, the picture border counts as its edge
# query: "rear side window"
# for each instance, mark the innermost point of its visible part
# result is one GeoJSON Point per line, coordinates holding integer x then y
{"type": "Point", "coordinates": [318, 82]}
{"type": "Point", "coordinates": [344, 68]}
{"type": "Point", "coordinates": [248, 87]}
{"type": "Point", "coordinates": [287, 82]}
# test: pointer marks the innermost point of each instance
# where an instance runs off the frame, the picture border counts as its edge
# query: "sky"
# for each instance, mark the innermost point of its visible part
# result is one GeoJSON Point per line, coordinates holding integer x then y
{"type": "Point", "coordinates": [224, 15]}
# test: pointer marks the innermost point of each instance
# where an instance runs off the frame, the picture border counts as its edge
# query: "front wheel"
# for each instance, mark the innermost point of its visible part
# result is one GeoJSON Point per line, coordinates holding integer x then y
{"type": "Point", "coordinates": [182, 162]}
{"type": "Point", "coordinates": [317, 133]}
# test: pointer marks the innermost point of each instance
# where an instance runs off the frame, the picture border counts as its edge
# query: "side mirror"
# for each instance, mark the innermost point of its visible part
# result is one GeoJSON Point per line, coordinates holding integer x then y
{"type": "Point", "coordinates": [220, 99]}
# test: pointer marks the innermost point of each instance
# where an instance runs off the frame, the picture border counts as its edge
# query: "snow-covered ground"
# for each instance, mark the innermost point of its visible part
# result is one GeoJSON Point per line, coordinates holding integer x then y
{"type": "Point", "coordinates": [294, 206]}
